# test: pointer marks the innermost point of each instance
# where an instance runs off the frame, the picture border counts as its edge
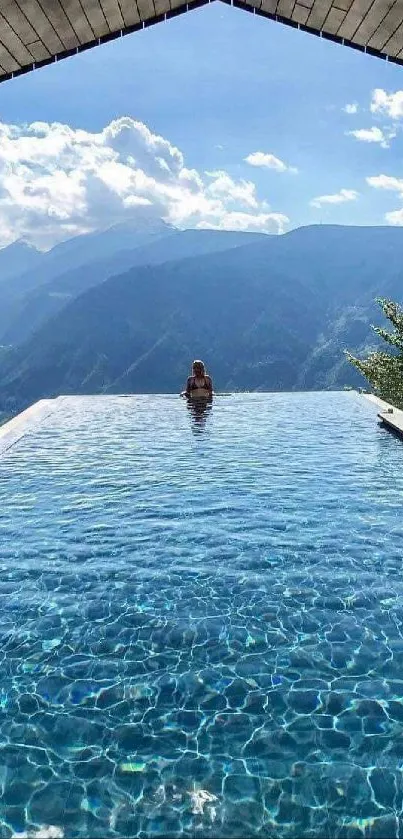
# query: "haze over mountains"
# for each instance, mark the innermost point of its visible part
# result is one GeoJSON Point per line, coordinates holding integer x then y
{"type": "Point", "coordinates": [36, 295]}
{"type": "Point", "coordinates": [125, 310]}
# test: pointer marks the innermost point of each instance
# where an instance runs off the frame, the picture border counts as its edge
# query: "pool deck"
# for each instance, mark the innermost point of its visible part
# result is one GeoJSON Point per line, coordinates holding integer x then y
{"type": "Point", "coordinates": [392, 420]}
{"type": "Point", "coordinates": [390, 417]}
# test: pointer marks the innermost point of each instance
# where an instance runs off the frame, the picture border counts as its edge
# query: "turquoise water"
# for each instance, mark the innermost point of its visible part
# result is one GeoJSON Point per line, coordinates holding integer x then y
{"type": "Point", "coordinates": [201, 620]}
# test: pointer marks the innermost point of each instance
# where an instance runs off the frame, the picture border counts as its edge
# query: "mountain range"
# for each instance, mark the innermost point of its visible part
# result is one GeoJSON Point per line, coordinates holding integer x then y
{"type": "Point", "coordinates": [40, 293]}
{"type": "Point", "coordinates": [126, 309]}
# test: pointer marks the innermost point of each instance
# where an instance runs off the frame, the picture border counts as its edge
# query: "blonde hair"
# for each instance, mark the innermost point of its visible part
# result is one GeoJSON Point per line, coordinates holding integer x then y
{"type": "Point", "coordinates": [199, 365]}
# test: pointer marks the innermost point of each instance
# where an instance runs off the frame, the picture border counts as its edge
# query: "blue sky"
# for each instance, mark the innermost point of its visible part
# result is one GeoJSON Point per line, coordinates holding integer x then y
{"type": "Point", "coordinates": [220, 84]}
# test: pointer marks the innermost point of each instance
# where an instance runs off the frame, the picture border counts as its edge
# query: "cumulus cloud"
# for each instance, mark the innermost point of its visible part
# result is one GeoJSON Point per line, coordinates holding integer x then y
{"type": "Point", "coordinates": [268, 161]}
{"type": "Point", "coordinates": [386, 182]}
{"type": "Point", "coordinates": [390, 104]}
{"type": "Point", "coordinates": [337, 198]}
{"type": "Point", "coordinates": [57, 181]}
{"type": "Point", "coordinates": [351, 109]}
{"type": "Point", "coordinates": [389, 182]}
{"type": "Point", "coordinates": [223, 186]}
{"type": "Point", "coordinates": [373, 135]}
{"type": "Point", "coordinates": [395, 218]}
{"type": "Point", "coordinates": [258, 223]}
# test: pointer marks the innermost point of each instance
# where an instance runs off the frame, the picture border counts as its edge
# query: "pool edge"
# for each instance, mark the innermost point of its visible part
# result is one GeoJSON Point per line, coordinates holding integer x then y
{"type": "Point", "coordinates": [391, 418]}
{"type": "Point", "coordinates": [20, 425]}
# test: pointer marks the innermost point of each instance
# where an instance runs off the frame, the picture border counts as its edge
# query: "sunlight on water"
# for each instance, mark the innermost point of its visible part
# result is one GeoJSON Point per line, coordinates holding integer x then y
{"type": "Point", "coordinates": [201, 618]}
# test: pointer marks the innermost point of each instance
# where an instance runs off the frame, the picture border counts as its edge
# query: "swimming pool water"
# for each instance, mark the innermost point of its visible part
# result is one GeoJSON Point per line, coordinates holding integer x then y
{"type": "Point", "coordinates": [201, 620]}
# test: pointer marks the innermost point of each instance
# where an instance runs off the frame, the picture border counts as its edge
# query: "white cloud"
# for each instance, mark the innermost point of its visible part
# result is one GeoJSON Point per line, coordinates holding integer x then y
{"type": "Point", "coordinates": [351, 109]}
{"type": "Point", "coordinates": [387, 103]}
{"type": "Point", "coordinates": [337, 198]}
{"type": "Point", "coordinates": [57, 181]}
{"type": "Point", "coordinates": [223, 186]}
{"type": "Point", "coordinates": [258, 223]}
{"type": "Point", "coordinates": [386, 182]}
{"type": "Point", "coordinates": [395, 218]}
{"type": "Point", "coordinates": [268, 161]}
{"type": "Point", "coordinates": [389, 182]}
{"type": "Point", "coordinates": [373, 135]}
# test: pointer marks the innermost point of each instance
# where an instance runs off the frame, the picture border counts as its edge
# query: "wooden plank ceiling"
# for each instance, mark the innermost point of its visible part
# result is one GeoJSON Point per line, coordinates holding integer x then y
{"type": "Point", "coordinates": [38, 32]}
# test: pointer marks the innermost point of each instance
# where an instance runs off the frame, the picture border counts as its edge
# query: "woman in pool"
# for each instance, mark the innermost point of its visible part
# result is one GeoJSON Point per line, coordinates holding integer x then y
{"type": "Point", "coordinates": [199, 384]}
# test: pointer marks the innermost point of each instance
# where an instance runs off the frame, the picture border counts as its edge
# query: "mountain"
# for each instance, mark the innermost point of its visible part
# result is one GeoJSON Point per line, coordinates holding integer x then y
{"type": "Point", "coordinates": [33, 308]}
{"type": "Point", "coordinates": [85, 249]}
{"type": "Point", "coordinates": [17, 258]}
{"type": "Point", "coordinates": [139, 330]}
{"type": "Point", "coordinates": [78, 252]}
{"type": "Point", "coordinates": [102, 244]}
{"type": "Point", "coordinates": [274, 314]}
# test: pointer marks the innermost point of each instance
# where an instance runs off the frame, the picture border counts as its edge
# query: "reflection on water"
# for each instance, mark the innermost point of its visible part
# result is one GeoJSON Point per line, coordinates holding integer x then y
{"type": "Point", "coordinates": [199, 410]}
{"type": "Point", "coordinates": [202, 640]}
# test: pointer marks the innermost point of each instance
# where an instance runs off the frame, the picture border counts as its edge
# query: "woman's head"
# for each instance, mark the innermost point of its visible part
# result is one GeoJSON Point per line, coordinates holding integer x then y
{"type": "Point", "coordinates": [198, 368]}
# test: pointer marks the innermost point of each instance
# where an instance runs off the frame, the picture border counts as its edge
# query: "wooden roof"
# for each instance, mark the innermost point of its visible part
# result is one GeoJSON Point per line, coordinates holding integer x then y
{"type": "Point", "coordinates": [37, 32]}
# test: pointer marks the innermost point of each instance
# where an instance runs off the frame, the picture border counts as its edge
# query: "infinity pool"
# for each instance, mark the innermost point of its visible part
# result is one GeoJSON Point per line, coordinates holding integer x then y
{"type": "Point", "coordinates": [201, 620]}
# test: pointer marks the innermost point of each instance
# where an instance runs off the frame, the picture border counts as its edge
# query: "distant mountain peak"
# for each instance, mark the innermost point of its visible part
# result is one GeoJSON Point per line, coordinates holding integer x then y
{"type": "Point", "coordinates": [20, 246]}
{"type": "Point", "coordinates": [142, 222]}
{"type": "Point", "coordinates": [16, 258]}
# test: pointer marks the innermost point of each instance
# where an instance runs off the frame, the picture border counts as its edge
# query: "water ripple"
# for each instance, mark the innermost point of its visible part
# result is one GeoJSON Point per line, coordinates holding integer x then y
{"type": "Point", "coordinates": [201, 620]}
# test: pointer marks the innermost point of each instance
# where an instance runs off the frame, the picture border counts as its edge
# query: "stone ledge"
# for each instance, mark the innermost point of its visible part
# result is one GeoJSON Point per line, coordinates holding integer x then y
{"type": "Point", "coordinates": [16, 428]}
{"type": "Point", "coordinates": [377, 401]}
{"type": "Point", "coordinates": [393, 420]}
{"type": "Point", "coordinates": [389, 416]}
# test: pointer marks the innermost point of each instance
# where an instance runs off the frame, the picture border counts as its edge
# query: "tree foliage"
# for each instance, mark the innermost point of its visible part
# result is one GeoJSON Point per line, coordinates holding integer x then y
{"type": "Point", "coordinates": [384, 370]}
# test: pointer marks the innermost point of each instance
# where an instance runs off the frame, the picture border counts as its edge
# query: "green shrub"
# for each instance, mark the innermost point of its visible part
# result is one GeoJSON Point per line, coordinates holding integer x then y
{"type": "Point", "coordinates": [384, 370]}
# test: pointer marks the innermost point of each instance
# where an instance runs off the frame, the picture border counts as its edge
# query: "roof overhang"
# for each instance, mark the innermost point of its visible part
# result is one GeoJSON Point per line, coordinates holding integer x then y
{"type": "Point", "coordinates": [34, 33]}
